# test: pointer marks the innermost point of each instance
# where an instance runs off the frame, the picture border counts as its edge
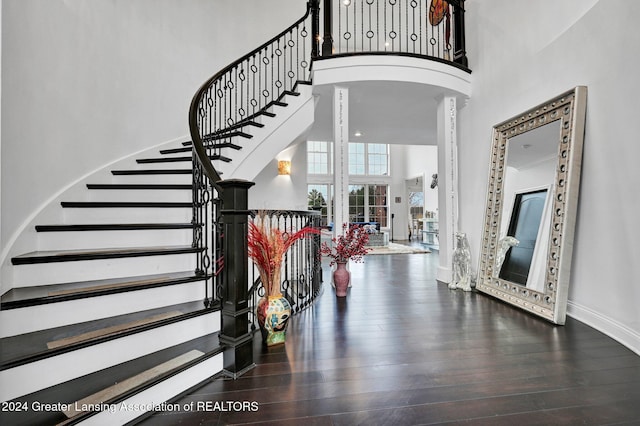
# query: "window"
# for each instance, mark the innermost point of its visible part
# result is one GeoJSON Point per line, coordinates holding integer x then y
{"type": "Point", "coordinates": [318, 199]}
{"type": "Point", "coordinates": [368, 159]}
{"type": "Point", "coordinates": [370, 208]}
{"type": "Point", "coordinates": [378, 159]}
{"type": "Point", "coordinates": [356, 203]}
{"type": "Point", "coordinates": [367, 201]}
{"type": "Point", "coordinates": [377, 204]}
{"type": "Point", "coordinates": [356, 159]}
{"type": "Point", "coordinates": [319, 158]}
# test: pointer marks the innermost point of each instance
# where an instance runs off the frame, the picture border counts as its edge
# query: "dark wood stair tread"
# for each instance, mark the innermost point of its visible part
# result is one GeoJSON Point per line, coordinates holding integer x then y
{"type": "Point", "coordinates": [207, 146]}
{"type": "Point", "coordinates": [115, 227]}
{"type": "Point", "coordinates": [143, 186]}
{"type": "Point", "coordinates": [96, 254]}
{"type": "Point", "coordinates": [77, 389]}
{"type": "Point", "coordinates": [179, 159]}
{"type": "Point", "coordinates": [25, 348]}
{"type": "Point", "coordinates": [225, 135]}
{"type": "Point", "coordinates": [83, 407]}
{"type": "Point", "coordinates": [152, 172]}
{"type": "Point", "coordinates": [241, 124]}
{"type": "Point", "coordinates": [21, 297]}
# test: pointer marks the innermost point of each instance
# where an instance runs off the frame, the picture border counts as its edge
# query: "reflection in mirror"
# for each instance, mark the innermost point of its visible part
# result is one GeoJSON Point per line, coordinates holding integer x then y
{"type": "Point", "coordinates": [531, 204]}
{"type": "Point", "coordinates": [531, 159]}
{"type": "Point", "coordinates": [524, 228]}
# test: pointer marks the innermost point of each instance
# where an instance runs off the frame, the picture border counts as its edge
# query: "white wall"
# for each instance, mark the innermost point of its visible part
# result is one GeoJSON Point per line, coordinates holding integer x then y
{"type": "Point", "coordinates": [87, 82]}
{"type": "Point", "coordinates": [410, 161]}
{"type": "Point", "coordinates": [521, 55]}
{"type": "Point", "coordinates": [281, 192]}
{"type": "Point", "coordinates": [1, 7]}
{"type": "Point", "coordinates": [423, 160]}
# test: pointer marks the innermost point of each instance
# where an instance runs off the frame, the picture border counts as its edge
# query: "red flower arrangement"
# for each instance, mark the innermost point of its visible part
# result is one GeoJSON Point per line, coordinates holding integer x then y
{"type": "Point", "coordinates": [266, 248]}
{"type": "Point", "coordinates": [350, 246]}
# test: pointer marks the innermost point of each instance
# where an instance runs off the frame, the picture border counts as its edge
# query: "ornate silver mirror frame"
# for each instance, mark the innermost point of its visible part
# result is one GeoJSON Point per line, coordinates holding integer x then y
{"type": "Point", "coordinates": [548, 300]}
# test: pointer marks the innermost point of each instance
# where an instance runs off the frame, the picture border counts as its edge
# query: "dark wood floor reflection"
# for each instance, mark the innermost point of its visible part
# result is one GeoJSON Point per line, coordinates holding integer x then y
{"type": "Point", "coordinates": [402, 349]}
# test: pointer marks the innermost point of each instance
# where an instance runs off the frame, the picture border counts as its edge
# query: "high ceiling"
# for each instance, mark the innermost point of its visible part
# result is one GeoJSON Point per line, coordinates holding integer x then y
{"type": "Point", "coordinates": [382, 111]}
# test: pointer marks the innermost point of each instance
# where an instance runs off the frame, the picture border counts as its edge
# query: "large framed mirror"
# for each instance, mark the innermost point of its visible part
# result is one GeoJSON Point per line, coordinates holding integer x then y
{"type": "Point", "coordinates": [532, 195]}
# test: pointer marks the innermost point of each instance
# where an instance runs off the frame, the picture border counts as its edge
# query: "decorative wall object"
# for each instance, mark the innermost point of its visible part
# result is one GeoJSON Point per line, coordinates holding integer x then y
{"type": "Point", "coordinates": [284, 167]}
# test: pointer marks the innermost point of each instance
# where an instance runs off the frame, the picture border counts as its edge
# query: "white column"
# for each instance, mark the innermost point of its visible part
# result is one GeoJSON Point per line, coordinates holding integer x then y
{"type": "Point", "coordinates": [340, 158]}
{"type": "Point", "coordinates": [447, 185]}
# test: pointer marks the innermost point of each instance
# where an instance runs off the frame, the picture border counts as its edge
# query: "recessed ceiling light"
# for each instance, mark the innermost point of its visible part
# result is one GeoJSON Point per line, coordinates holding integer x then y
{"type": "Point", "coordinates": [357, 134]}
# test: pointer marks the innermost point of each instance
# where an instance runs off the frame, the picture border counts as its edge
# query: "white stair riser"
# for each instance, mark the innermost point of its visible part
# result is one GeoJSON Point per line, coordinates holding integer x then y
{"type": "Point", "coordinates": [29, 378]}
{"type": "Point", "coordinates": [40, 317]}
{"type": "Point", "coordinates": [165, 165]}
{"type": "Point", "coordinates": [105, 239]}
{"type": "Point", "coordinates": [73, 216]}
{"type": "Point", "coordinates": [159, 393]}
{"type": "Point", "coordinates": [149, 195]}
{"type": "Point", "coordinates": [88, 270]}
{"type": "Point", "coordinates": [180, 179]}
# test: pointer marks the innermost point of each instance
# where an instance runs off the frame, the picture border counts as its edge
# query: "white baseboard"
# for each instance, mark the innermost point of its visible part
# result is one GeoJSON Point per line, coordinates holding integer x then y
{"type": "Point", "coordinates": [444, 275]}
{"type": "Point", "coordinates": [612, 328]}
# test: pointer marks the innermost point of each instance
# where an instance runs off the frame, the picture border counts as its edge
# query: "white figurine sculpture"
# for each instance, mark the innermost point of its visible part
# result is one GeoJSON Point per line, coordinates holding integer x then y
{"type": "Point", "coordinates": [461, 264]}
{"type": "Point", "coordinates": [504, 244]}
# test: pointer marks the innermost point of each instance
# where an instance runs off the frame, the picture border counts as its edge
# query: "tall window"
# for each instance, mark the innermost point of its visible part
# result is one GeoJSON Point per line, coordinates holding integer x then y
{"type": "Point", "coordinates": [319, 158]}
{"type": "Point", "coordinates": [377, 204]}
{"type": "Point", "coordinates": [319, 198]}
{"type": "Point", "coordinates": [356, 203]}
{"type": "Point", "coordinates": [357, 159]}
{"type": "Point", "coordinates": [378, 159]}
{"type": "Point", "coordinates": [367, 201]}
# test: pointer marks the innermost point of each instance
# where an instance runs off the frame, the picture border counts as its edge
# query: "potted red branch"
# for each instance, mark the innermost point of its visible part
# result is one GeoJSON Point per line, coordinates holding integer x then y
{"type": "Point", "coordinates": [349, 246]}
{"type": "Point", "coordinates": [267, 245]}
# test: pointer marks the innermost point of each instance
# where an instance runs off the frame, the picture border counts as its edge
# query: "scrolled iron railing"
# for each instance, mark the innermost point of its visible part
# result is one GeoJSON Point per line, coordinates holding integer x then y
{"type": "Point", "coordinates": [228, 102]}
{"type": "Point", "coordinates": [301, 279]}
{"type": "Point", "coordinates": [433, 29]}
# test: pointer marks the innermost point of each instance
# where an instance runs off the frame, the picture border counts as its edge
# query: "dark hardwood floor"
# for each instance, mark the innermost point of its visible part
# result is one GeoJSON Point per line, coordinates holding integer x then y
{"type": "Point", "coordinates": [402, 349]}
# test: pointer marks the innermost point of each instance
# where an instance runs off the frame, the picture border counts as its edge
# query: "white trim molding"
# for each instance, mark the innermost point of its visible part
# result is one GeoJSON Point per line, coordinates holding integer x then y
{"type": "Point", "coordinates": [612, 328]}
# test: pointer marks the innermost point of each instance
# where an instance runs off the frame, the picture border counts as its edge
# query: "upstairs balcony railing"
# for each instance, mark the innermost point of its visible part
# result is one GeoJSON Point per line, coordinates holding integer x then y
{"type": "Point", "coordinates": [235, 98]}
{"type": "Point", "coordinates": [432, 29]}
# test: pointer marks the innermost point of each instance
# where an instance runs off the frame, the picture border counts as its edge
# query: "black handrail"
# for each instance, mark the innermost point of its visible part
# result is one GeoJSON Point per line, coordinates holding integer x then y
{"type": "Point", "coordinates": [203, 120]}
{"type": "Point", "coordinates": [232, 99]}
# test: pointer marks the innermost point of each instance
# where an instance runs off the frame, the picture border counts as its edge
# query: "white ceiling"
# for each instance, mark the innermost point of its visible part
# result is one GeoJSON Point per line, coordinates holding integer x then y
{"type": "Point", "coordinates": [383, 111]}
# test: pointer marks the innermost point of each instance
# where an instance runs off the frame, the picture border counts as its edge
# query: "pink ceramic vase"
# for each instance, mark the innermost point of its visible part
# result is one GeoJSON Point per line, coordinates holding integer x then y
{"type": "Point", "coordinates": [341, 278]}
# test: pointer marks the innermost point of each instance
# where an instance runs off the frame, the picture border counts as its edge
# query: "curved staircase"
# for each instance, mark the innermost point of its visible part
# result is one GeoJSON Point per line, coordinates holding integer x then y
{"type": "Point", "coordinates": [110, 308]}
